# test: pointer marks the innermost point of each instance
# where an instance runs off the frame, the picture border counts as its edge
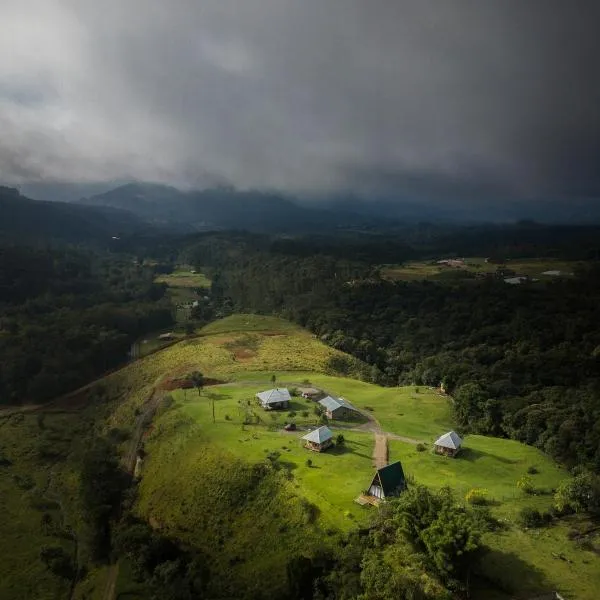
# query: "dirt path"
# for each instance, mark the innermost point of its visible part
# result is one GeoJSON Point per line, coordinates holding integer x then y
{"type": "Point", "coordinates": [142, 421]}
{"type": "Point", "coordinates": [380, 451]}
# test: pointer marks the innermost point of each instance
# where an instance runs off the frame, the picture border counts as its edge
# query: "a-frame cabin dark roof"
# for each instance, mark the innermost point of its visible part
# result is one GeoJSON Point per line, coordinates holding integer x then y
{"type": "Point", "coordinates": [390, 478]}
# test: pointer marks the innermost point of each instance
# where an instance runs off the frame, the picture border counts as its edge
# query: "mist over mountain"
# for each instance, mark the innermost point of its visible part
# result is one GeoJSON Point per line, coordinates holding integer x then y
{"type": "Point", "coordinates": [23, 219]}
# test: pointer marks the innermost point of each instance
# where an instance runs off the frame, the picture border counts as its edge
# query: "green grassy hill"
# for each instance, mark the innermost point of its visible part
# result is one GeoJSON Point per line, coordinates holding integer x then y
{"type": "Point", "coordinates": [207, 485]}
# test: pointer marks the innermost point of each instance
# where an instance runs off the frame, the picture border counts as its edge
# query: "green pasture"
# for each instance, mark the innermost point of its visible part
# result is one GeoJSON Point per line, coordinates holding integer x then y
{"type": "Point", "coordinates": [336, 477]}
{"type": "Point", "coordinates": [411, 411]}
{"type": "Point", "coordinates": [250, 323]}
{"type": "Point", "coordinates": [184, 279]}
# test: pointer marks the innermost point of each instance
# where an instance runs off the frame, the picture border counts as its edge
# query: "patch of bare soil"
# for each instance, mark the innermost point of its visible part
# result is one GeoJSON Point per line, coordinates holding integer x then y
{"type": "Point", "coordinates": [243, 354]}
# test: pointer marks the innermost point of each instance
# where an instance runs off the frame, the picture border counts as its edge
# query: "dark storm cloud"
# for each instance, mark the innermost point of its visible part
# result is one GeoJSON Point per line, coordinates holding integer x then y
{"type": "Point", "coordinates": [425, 98]}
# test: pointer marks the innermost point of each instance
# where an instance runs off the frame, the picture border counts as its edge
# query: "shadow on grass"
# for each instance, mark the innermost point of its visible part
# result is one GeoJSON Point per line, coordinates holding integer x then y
{"type": "Point", "coordinates": [511, 574]}
{"type": "Point", "coordinates": [472, 455]}
{"type": "Point", "coordinates": [289, 466]}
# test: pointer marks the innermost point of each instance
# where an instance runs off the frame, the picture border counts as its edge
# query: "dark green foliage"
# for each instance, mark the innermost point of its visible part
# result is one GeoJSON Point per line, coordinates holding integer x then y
{"type": "Point", "coordinates": [69, 316]}
{"type": "Point", "coordinates": [339, 439]}
{"type": "Point", "coordinates": [420, 447]}
{"type": "Point", "coordinates": [58, 561]}
{"type": "Point", "coordinates": [170, 572]}
{"type": "Point", "coordinates": [530, 517]}
{"type": "Point", "coordinates": [579, 494]}
{"type": "Point", "coordinates": [449, 533]}
{"type": "Point", "coordinates": [102, 483]}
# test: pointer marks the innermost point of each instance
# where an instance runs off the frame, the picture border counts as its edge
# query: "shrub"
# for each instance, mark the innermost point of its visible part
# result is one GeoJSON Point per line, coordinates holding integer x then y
{"type": "Point", "coordinates": [292, 414]}
{"type": "Point", "coordinates": [294, 392]}
{"type": "Point", "coordinates": [340, 440]}
{"type": "Point", "coordinates": [532, 470]}
{"type": "Point", "coordinates": [477, 496]}
{"type": "Point", "coordinates": [309, 463]}
{"type": "Point", "coordinates": [227, 418]}
{"type": "Point", "coordinates": [305, 414]}
{"type": "Point", "coordinates": [525, 484]}
{"type": "Point", "coordinates": [420, 447]}
{"type": "Point", "coordinates": [530, 517]}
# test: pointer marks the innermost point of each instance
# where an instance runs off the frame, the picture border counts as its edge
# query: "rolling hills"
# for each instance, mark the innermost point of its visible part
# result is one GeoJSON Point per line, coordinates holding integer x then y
{"type": "Point", "coordinates": [243, 493]}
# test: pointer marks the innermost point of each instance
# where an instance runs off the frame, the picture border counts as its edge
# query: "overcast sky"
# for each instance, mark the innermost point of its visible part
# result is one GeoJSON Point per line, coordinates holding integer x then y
{"type": "Point", "coordinates": [308, 96]}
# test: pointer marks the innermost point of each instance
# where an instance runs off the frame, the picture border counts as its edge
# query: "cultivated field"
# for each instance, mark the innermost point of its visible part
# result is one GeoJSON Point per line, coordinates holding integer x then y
{"type": "Point", "coordinates": [534, 267]}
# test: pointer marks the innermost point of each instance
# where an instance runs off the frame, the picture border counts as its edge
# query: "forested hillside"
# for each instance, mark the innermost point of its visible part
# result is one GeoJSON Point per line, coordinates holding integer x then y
{"type": "Point", "coordinates": [521, 361]}
{"type": "Point", "coordinates": [68, 315]}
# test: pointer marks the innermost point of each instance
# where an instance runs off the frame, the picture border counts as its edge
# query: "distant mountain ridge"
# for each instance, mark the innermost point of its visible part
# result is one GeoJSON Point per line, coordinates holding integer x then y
{"type": "Point", "coordinates": [224, 208]}
{"type": "Point", "coordinates": [22, 219]}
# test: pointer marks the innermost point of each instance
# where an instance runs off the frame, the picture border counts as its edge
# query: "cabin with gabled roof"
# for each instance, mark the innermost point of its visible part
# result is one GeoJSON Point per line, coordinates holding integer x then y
{"type": "Point", "coordinates": [319, 439]}
{"type": "Point", "coordinates": [389, 481]}
{"type": "Point", "coordinates": [448, 444]}
{"type": "Point", "coordinates": [278, 398]}
{"type": "Point", "coordinates": [338, 408]}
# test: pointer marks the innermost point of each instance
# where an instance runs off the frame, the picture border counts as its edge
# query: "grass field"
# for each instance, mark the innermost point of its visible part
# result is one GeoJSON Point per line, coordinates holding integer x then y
{"type": "Point", "coordinates": [184, 279]}
{"type": "Point", "coordinates": [534, 267]}
{"type": "Point", "coordinates": [521, 561]}
{"type": "Point", "coordinates": [36, 479]}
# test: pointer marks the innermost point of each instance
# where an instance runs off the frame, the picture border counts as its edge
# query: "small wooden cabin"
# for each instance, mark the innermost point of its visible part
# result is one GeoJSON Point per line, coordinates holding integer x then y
{"type": "Point", "coordinates": [338, 408]}
{"type": "Point", "coordinates": [448, 444]}
{"type": "Point", "coordinates": [274, 399]}
{"type": "Point", "coordinates": [319, 439]}
{"type": "Point", "coordinates": [388, 481]}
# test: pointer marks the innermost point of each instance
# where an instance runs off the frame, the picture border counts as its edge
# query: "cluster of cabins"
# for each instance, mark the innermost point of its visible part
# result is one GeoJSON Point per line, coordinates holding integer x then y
{"type": "Point", "coordinates": [333, 407]}
{"type": "Point", "coordinates": [388, 481]}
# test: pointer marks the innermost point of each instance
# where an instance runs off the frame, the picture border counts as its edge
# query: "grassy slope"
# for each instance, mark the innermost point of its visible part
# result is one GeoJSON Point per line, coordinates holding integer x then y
{"type": "Point", "coordinates": [31, 486]}
{"type": "Point", "coordinates": [326, 483]}
{"type": "Point", "coordinates": [247, 527]}
{"type": "Point", "coordinates": [521, 561]}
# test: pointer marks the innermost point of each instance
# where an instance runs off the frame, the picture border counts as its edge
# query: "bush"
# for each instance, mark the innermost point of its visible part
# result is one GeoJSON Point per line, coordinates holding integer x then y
{"type": "Point", "coordinates": [525, 484]}
{"type": "Point", "coordinates": [292, 414]}
{"type": "Point", "coordinates": [420, 447]}
{"type": "Point", "coordinates": [532, 470]}
{"type": "Point", "coordinates": [309, 463]}
{"type": "Point", "coordinates": [340, 440]}
{"type": "Point", "coordinates": [305, 414]}
{"type": "Point", "coordinates": [294, 392]}
{"type": "Point", "coordinates": [477, 497]}
{"type": "Point", "coordinates": [530, 517]}
{"type": "Point", "coordinates": [227, 418]}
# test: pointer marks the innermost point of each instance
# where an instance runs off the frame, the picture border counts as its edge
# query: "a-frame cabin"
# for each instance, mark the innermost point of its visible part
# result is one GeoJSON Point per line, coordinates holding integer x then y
{"type": "Point", "coordinates": [388, 481]}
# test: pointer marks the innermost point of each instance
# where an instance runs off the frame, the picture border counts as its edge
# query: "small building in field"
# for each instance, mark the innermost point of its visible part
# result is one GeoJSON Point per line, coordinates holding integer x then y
{"type": "Point", "coordinates": [389, 481]}
{"type": "Point", "coordinates": [448, 444]}
{"type": "Point", "coordinates": [277, 398]}
{"type": "Point", "coordinates": [310, 392]}
{"type": "Point", "coordinates": [338, 408]}
{"type": "Point", "coordinates": [319, 439]}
